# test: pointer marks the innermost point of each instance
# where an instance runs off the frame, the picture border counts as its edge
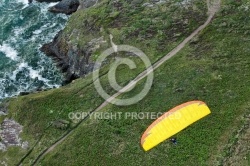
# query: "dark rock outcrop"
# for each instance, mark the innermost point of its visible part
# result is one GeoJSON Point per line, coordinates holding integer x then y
{"type": "Point", "coordinates": [65, 6]}
{"type": "Point", "coordinates": [24, 93]}
{"type": "Point", "coordinates": [3, 109]}
{"type": "Point", "coordinates": [72, 60]}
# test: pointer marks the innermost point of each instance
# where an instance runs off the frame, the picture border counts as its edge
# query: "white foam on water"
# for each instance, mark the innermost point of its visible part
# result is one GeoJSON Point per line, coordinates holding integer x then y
{"type": "Point", "coordinates": [25, 2]}
{"type": "Point", "coordinates": [20, 68]}
{"type": "Point", "coordinates": [21, 17]}
{"type": "Point", "coordinates": [44, 27]}
{"type": "Point", "coordinates": [17, 32]}
{"type": "Point", "coordinates": [52, 4]}
{"type": "Point", "coordinates": [38, 31]}
{"type": "Point", "coordinates": [9, 52]}
{"type": "Point", "coordinates": [45, 6]}
{"type": "Point", "coordinates": [24, 76]}
{"type": "Point", "coordinates": [2, 3]}
{"type": "Point", "coordinates": [34, 74]}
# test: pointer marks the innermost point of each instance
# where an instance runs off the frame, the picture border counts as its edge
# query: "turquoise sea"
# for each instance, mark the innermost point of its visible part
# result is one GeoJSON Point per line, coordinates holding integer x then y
{"type": "Point", "coordinates": [23, 29]}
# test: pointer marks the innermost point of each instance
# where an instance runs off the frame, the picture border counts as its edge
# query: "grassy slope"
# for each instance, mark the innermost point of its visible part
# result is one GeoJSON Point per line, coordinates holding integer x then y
{"type": "Point", "coordinates": [210, 70]}
{"type": "Point", "coordinates": [36, 112]}
{"type": "Point", "coordinates": [214, 72]}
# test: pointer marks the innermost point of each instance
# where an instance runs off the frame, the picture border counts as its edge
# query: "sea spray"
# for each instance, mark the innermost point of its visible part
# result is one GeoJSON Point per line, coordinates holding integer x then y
{"type": "Point", "coordinates": [24, 29]}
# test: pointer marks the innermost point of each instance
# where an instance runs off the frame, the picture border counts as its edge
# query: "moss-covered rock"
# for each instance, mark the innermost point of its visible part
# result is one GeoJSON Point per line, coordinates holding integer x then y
{"type": "Point", "coordinates": [153, 29]}
{"type": "Point", "coordinates": [65, 6]}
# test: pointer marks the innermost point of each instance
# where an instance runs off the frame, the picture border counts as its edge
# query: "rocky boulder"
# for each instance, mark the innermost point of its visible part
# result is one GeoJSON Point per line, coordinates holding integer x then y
{"type": "Point", "coordinates": [3, 109]}
{"type": "Point", "coordinates": [71, 59]}
{"type": "Point", "coordinates": [10, 135]}
{"type": "Point", "coordinates": [65, 6]}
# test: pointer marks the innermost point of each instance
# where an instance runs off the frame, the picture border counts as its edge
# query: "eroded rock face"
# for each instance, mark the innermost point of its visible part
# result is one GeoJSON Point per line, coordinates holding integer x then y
{"type": "Point", "coordinates": [65, 6]}
{"type": "Point", "coordinates": [9, 134]}
{"type": "Point", "coordinates": [3, 110]}
{"type": "Point", "coordinates": [73, 61]}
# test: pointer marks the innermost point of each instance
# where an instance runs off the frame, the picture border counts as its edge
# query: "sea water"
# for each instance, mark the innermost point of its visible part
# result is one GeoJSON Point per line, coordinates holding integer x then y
{"type": "Point", "coordinates": [24, 28]}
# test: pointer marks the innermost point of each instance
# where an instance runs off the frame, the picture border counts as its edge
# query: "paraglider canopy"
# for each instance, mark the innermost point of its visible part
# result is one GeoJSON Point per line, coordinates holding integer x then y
{"type": "Point", "coordinates": [173, 122]}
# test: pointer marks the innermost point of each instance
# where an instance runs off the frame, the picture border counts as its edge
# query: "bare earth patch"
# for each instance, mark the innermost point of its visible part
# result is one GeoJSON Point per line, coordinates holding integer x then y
{"type": "Point", "coordinates": [10, 135]}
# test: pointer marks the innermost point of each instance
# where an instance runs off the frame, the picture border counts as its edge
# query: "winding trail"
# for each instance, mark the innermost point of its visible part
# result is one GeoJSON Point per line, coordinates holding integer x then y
{"type": "Point", "coordinates": [213, 8]}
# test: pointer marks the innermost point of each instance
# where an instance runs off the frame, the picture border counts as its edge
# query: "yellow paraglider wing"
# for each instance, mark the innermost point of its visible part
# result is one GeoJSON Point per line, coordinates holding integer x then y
{"type": "Point", "coordinates": [173, 122]}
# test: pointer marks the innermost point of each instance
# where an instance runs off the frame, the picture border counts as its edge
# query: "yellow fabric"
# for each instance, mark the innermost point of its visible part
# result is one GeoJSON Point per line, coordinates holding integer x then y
{"type": "Point", "coordinates": [173, 122]}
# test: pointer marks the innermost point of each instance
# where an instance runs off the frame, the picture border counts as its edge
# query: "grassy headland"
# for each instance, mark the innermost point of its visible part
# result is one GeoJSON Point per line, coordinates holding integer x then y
{"type": "Point", "coordinates": [213, 68]}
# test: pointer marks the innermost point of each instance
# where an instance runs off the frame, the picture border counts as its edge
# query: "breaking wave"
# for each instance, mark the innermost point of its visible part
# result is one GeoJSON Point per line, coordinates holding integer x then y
{"type": "Point", "coordinates": [24, 28]}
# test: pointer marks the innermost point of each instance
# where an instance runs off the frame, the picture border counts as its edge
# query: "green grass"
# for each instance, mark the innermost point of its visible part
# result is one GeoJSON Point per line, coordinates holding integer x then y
{"type": "Point", "coordinates": [117, 141]}
{"type": "Point", "coordinates": [248, 157]}
{"type": "Point", "coordinates": [154, 30]}
{"type": "Point", "coordinates": [208, 69]}
{"type": "Point", "coordinates": [36, 112]}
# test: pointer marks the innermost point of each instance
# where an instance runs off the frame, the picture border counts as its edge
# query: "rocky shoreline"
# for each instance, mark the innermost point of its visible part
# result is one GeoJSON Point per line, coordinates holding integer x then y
{"type": "Point", "coordinates": [73, 61]}
{"type": "Point", "coordinates": [64, 6]}
{"type": "Point", "coordinates": [71, 57]}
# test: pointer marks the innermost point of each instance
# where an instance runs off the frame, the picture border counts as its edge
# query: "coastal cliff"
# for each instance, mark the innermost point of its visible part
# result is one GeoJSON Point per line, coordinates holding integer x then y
{"type": "Point", "coordinates": [212, 67]}
{"type": "Point", "coordinates": [135, 21]}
